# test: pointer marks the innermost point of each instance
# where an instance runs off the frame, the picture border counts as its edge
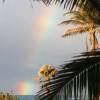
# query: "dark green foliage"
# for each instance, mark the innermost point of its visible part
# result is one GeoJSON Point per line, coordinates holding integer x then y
{"type": "Point", "coordinates": [79, 79]}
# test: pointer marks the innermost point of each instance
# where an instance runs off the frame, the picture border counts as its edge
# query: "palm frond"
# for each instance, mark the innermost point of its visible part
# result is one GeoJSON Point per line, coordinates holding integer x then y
{"type": "Point", "coordinates": [72, 21]}
{"type": "Point", "coordinates": [81, 17]}
{"type": "Point", "coordinates": [85, 16]}
{"type": "Point", "coordinates": [79, 79]}
{"type": "Point", "coordinates": [98, 29]}
{"type": "Point", "coordinates": [72, 4]}
{"type": "Point", "coordinates": [96, 4]}
{"type": "Point", "coordinates": [74, 31]}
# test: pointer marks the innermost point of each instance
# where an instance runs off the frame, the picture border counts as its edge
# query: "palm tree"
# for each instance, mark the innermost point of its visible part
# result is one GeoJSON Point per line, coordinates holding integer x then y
{"type": "Point", "coordinates": [78, 79]}
{"type": "Point", "coordinates": [85, 22]}
{"type": "Point", "coordinates": [91, 6]}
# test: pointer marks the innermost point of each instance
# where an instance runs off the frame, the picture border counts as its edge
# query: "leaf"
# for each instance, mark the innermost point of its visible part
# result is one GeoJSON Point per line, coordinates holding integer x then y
{"type": "Point", "coordinates": [74, 31]}
{"type": "Point", "coordinates": [73, 79]}
{"type": "Point", "coordinates": [71, 22]}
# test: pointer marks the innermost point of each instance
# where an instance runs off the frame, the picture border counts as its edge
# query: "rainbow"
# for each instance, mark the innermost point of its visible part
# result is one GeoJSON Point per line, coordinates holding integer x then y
{"type": "Point", "coordinates": [24, 88]}
{"type": "Point", "coordinates": [46, 25]}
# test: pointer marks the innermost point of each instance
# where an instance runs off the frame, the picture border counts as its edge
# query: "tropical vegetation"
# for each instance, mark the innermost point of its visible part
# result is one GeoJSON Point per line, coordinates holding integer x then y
{"type": "Point", "coordinates": [85, 22]}
{"type": "Point", "coordinates": [89, 15]}
{"type": "Point", "coordinates": [8, 96]}
{"type": "Point", "coordinates": [91, 5]}
{"type": "Point", "coordinates": [77, 80]}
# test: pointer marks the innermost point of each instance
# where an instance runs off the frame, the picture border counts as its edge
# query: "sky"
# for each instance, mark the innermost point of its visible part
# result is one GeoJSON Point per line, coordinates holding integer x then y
{"type": "Point", "coordinates": [29, 38]}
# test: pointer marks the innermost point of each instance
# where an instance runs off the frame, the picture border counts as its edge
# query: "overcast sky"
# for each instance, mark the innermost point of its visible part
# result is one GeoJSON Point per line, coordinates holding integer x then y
{"type": "Point", "coordinates": [27, 41]}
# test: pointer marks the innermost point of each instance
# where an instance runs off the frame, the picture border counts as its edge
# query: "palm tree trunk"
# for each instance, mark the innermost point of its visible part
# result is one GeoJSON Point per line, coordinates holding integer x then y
{"type": "Point", "coordinates": [93, 41]}
{"type": "Point", "coordinates": [86, 43]}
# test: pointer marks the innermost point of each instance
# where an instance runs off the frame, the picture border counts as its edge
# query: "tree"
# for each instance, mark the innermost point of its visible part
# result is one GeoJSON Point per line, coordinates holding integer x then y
{"type": "Point", "coordinates": [85, 22]}
{"type": "Point", "coordinates": [78, 79]}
